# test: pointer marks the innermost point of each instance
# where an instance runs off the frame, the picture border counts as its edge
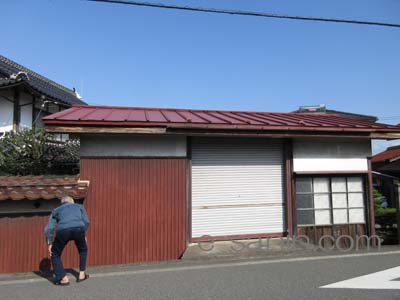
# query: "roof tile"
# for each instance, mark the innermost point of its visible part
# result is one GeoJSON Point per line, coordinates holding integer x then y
{"type": "Point", "coordinates": [41, 187]}
{"type": "Point", "coordinates": [36, 81]}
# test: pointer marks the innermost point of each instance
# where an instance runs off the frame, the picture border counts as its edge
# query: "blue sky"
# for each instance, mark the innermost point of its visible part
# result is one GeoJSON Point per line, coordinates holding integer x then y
{"type": "Point", "coordinates": [133, 56]}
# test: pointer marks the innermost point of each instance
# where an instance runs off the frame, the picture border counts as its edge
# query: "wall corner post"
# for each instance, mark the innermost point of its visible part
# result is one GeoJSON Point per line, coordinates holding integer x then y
{"type": "Point", "coordinates": [371, 200]}
{"type": "Point", "coordinates": [288, 154]}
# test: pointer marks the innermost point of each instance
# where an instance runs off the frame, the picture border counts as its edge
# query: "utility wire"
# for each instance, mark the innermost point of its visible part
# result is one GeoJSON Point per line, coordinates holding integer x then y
{"type": "Point", "coordinates": [246, 13]}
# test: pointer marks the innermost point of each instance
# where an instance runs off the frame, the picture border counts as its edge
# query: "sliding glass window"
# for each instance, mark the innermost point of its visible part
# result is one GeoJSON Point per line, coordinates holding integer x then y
{"type": "Point", "coordinates": [330, 200]}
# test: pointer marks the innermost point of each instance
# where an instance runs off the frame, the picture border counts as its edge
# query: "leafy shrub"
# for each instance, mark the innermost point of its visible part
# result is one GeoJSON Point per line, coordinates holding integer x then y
{"type": "Point", "coordinates": [35, 152]}
{"type": "Point", "coordinates": [385, 211]}
{"type": "Point", "coordinates": [385, 224]}
{"type": "Point", "coordinates": [377, 194]}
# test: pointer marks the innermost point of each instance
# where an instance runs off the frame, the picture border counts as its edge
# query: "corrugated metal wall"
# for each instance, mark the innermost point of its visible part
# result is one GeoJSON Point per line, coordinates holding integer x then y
{"type": "Point", "coordinates": [23, 246]}
{"type": "Point", "coordinates": [137, 209]}
{"type": "Point", "coordinates": [237, 186]}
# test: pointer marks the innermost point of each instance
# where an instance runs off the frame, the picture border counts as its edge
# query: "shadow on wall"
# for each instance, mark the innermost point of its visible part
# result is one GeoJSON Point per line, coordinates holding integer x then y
{"type": "Point", "coordinates": [45, 269]}
{"type": "Point", "coordinates": [45, 265]}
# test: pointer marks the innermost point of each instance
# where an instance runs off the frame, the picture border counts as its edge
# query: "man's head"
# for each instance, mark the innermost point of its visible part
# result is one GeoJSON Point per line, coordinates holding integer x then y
{"type": "Point", "coordinates": [67, 199]}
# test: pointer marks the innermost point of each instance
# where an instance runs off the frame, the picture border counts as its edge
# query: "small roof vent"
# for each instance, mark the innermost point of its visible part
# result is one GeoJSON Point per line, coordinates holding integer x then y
{"type": "Point", "coordinates": [313, 109]}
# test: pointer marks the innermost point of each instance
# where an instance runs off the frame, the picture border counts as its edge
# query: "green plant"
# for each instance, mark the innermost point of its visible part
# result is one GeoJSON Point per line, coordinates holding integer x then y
{"type": "Point", "coordinates": [35, 152]}
{"type": "Point", "coordinates": [377, 194]}
{"type": "Point", "coordinates": [385, 222]}
{"type": "Point", "coordinates": [377, 199]}
{"type": "Point", "coordinates": [385, 211]}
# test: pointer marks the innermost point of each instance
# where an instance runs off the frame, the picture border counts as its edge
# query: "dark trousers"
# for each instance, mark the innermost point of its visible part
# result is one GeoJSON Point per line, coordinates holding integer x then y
{"type": "Point", "coordinates": [76, 234]}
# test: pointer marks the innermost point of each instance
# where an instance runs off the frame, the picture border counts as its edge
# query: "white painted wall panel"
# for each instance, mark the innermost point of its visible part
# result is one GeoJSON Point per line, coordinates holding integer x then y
{"type": "Point", "coordinates": [330, 164]}
{"type": "Point", "coordinates": [237, 186]}
{"type": "Point", "coordinates": [316, 155]}
{"type": "Point", "coordinates": [133, 145]}
{"type": "Point", "coordinates": [26, 111]}
{"type": "Point", "coordinates": [6, 112]}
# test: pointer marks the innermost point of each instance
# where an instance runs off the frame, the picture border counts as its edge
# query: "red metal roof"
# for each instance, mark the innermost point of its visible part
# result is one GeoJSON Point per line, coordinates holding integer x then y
{"type": "Point", "coordinates": [389, 154]}
{"type": "Point", "coordinates": [210, 119]}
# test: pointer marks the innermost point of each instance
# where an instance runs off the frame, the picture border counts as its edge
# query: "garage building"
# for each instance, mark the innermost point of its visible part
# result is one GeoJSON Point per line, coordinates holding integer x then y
{"type": "Point", "coordinates": [163, 178]}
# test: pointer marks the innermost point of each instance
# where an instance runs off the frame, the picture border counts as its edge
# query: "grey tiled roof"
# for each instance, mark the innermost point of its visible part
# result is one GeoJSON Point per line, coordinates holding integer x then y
{"type": "Point", "coordinates": [36, 81]}
{"type": "Point", "coordinates": [7, 81]}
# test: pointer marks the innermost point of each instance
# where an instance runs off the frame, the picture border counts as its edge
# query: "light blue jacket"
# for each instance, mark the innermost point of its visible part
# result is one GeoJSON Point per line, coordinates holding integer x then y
{"type": "Point", "coordinates": [67, 215]}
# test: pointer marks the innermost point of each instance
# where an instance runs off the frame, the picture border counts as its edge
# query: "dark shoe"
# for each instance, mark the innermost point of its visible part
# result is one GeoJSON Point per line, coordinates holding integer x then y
{"type": "Point", "coordinates": [59, 282]}
{"type": "Point", "coordinates": [84, 278]}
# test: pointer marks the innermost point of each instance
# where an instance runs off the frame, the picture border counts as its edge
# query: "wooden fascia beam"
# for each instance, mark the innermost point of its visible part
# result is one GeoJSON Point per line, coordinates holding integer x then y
{"type": "Point", "coordinates": [80, 129]}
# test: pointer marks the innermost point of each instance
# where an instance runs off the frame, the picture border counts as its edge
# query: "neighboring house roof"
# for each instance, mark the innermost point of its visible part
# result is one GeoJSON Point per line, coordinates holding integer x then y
{"type": "Point", "coordinates": [353, 115]}
{"type": "Point", "coordinates": [42, 187]}
{"type": "Point", "coordinates": [391, 153]}
{"type": "Point", "coordinates": [9, 71]}
{"type": "Point", "coordinates": [321, 109]}
{"type": "Point", "coordinates": [391, 168]}
{"type": "Point", "coordinates": [211, 119]}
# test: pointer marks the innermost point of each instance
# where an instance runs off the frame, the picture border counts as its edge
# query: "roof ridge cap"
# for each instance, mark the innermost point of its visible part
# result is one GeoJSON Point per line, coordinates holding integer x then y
{"type": "Point", "coordinates": [179, 109]}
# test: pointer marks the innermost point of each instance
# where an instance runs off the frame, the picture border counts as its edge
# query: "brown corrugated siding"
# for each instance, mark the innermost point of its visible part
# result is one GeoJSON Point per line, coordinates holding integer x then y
{"type": "Point", "coordinates": [137, 209]}
{"type": "Point", "coordinates": [23, 246]}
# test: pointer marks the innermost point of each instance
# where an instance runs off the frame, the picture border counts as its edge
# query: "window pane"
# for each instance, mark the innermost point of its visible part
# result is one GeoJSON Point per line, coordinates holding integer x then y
{"type": "Point", "coordinates": [303, 185]}
{"type": "Point", "coordinates": [340, 216]}
{"type": "Point", "coordinates": [304, 200]}
{"type": "Point", "coordinates": [354, 184]}
{"type": "Point", "coordinates": [322, 217]}
{"type": "Point", "coordinates": [305, 217]}
{"type": "Point", "coordinates": [321, 185]}
{"type": "Point", "coordinates": [356, 200]}
{"type": "Point", "coordinates": [356, 215]}
{"type": "Point", "coordinates": [338, 184]}
{"type": "Point", "coordinates": [321, 201]}
{"type": "Point", "coordinates": [339, 200]}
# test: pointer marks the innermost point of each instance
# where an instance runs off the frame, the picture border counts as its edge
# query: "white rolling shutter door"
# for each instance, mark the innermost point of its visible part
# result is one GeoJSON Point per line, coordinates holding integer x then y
{"type": "Point", "coordinates": [237, 186]}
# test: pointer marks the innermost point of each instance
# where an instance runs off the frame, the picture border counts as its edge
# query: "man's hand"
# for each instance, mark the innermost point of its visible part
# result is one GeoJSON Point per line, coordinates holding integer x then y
{"type": "Point", "coordinates": [50, 246]}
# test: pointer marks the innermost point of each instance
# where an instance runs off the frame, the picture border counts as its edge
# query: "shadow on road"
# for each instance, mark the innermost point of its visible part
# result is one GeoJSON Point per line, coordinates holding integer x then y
{"type": "Point", "coordinates": [46, 272]}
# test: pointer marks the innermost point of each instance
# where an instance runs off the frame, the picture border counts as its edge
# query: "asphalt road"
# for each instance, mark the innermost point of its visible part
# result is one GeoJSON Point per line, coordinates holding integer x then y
{"type": "Point", "coordinates": [280, 279]}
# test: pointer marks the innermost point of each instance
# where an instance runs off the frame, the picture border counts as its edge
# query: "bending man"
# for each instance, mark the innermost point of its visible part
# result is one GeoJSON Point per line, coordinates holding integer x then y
{"type": "Point", "coordinates": [70, 223]}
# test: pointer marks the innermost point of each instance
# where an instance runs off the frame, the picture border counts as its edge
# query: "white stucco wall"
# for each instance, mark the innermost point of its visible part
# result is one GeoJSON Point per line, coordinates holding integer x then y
{"type": "Point", "coordinates": [6, 111]}
{"type": "Point", "coordinates": [26, 111]}
{"type": "Point", "coordinates": [318, 155]}
{"type": "Point", "coordinates": [115, 145]}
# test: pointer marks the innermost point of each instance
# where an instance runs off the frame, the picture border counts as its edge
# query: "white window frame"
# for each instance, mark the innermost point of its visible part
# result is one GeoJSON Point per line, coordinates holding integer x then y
{"type": "Point", "coordinates": [331, 194]}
